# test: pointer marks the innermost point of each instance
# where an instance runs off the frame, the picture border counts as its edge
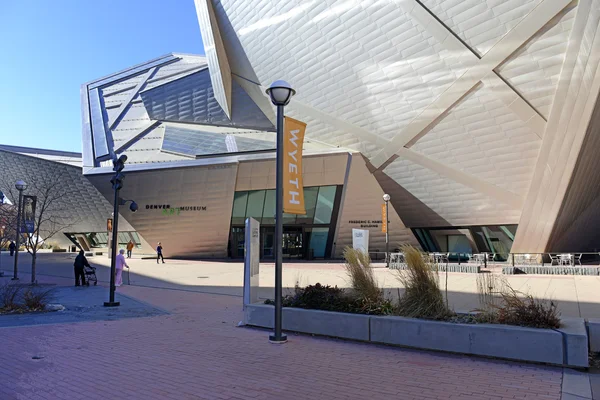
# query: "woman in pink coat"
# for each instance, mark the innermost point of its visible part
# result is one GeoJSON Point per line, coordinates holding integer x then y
{"type": "Point", "coordinates": [119, 264]}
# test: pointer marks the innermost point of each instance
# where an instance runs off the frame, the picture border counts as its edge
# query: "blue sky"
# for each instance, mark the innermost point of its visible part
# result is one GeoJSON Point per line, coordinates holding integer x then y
{"type": "Point", "coordinates": [50, 47]}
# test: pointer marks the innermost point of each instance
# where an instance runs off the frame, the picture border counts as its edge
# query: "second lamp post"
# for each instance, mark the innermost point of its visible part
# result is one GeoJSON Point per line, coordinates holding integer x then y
{"type": "Point", "coordinates": [20, 186]}
{"type": "Point", "coordinates": [281, 93]}
{"type": "Point", "coordinates": [386, 198]}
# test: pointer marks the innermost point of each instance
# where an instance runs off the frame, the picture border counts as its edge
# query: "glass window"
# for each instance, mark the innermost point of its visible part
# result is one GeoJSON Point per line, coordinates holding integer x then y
{"type": "Point", "coordinates": [318, 241]}
{"type": "Point", "coordinates": [256, 201]}
{"type": "Point", "coordinates": [238, 215]}
{"type": "Point", "coordinates": [136, 238]}
{"type": "Point", "coordinates": [310, 203]}
{"type": "Point", "coordinates": [459, 244]}
{"type": "Point", "coordinates": [324, 206]}
{"type": "Point", "coordinates": [268, 216]}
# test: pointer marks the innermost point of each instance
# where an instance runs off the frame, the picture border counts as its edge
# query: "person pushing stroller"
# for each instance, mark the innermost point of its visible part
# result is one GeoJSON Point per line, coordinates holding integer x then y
{"type": "Point", "coordinates": [80, 263]}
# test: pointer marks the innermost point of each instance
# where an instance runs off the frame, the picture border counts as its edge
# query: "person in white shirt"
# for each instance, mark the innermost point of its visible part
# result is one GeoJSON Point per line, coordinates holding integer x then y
{"type": "Point", "coordinates": [119, 264]}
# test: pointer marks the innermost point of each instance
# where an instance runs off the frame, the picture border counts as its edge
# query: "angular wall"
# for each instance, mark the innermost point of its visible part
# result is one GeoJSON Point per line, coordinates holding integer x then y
{"type": "Point", "coordinates": [188, 210]}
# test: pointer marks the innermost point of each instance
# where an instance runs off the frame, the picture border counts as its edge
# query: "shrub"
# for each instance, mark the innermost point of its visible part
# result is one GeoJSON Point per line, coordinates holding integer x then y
{"type": "Point", "coordinates": [36, 299]}
{"type": "Point", "coordinates": [488, 289]}
{"type": "Point", "coordinates": [10, 295]}
{"type": "Point", "coordinates": [327, 298]}
{"type": "Point", "coordinates": [358, 268]}
{"type": "Point", "coordinates": [524, 310]}
{"type": "Point", "coordinates": [319, 297]}
{"type": "Point", "coordinates": [501, 304]}
{"type": "Point", "coordinates": [422, 297]}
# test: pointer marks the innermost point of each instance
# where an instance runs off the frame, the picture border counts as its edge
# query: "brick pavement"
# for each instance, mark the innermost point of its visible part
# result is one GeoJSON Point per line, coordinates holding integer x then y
{"type": "Point", "coordinates": [197, 352]}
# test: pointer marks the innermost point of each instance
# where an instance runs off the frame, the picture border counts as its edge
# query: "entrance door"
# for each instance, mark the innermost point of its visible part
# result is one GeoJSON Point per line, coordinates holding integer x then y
{"type": "Point", "coordinates": [238, 241]}
{"type": "Point", "coordinates": [268, 242]}
{"type": "Point", "coordinates": [292, 243]}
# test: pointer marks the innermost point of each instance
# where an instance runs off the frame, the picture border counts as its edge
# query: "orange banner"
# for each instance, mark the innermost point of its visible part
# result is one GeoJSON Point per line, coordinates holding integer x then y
{"type": "Point", "coordinates": [384, 219]}
{"type": "Point", "coordinates": [293, 189]}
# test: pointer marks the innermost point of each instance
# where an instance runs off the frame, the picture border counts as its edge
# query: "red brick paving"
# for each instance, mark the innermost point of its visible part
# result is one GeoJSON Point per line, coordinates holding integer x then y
{"type": "Point", "coordinates": [197, 352]}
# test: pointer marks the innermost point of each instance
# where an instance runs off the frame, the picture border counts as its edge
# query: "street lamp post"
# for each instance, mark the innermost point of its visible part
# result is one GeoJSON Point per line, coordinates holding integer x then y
{"type": "Point", "coordinates": [20, 186]}
{"type": "Point", "coordinates": [280, 93]}
{"type": "Point", "coordinates": [117, 183]}
{"type": "Point", "coordinates": [386, 198]}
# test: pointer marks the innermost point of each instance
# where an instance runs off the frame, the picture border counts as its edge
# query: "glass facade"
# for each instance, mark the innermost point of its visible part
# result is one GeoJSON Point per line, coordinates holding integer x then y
{"type": "Point", "coordinates": [495, 239]}
{"type": "Point", "coordinates": [304, 236]}
{"type": "Point", "coordinates": [98, 240]}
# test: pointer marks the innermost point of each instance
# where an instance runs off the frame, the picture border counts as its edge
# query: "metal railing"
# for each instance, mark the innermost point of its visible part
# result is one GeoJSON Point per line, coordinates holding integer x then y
{"type": "Point", "coordinates": [485, 260]}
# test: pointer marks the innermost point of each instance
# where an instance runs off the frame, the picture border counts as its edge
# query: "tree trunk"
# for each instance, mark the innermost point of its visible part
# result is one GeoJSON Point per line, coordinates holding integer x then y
{"type": "Point", "coordinates": [33, 260]}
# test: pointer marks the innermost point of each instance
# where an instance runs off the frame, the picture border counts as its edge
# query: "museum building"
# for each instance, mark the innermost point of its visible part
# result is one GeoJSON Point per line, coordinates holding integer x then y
{"type": "Point", "coordinates": [485, 140]}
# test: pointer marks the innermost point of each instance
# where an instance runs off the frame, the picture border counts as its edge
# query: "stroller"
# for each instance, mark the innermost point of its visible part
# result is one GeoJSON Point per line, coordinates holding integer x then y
{"type": "Point", "coordinates": [90, 275]}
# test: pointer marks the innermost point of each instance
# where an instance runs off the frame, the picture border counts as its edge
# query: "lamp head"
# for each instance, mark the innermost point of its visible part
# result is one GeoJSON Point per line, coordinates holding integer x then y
{"type": "Point", "coordinates": [133, 207]}
{"type": "Point", "coordinates": [119, 163]}
{"type": "Point", "coordinates": [386, 197]}
{"type": "Point", "coordinates": [20, 185]}
{"type": "Point", "coordinates": [280, 93]}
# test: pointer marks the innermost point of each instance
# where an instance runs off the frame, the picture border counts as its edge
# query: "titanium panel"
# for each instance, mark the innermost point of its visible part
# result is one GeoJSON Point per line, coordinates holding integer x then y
{"type": "Point", "coordinates": [194, 142]}
{"type": "Point", "coordinates": [87, 146]}
{"type": "Point", "coordinates": [130, 96]}
{"type": "Point", "coordinates": [362, 202]}
{"type": "Point", "coordinates": [100, 131]}
{"type": "Point", "coordinates": [132, 71]}
{"type": "Point", "coordinates": [79, 206]}
{"type": "Point", "coordinates": [576, 226]}
{"type": "Point", "coordinates": [192, 99]}
{"type": "Point", "coordinates": [220, 72]}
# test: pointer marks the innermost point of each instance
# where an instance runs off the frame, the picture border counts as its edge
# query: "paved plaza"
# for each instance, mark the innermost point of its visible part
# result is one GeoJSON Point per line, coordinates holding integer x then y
{"type": "Point", "coordinates": [577, 296]}
{"type": "Point", "coordinates": [176, 340]}
{"type": "Point", "coordinates": [197, 352]}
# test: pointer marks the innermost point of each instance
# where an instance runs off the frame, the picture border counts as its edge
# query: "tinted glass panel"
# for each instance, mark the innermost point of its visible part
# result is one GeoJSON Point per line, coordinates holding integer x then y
{"type": "Point", "coordinates": [459, 244]}
{"type": "Point", "coordinates": [318, 241]}
{"type": "Point", "coordinates": [268, 216]}
{"type": "Point", "coordinates": [256, 201]}
{"type": "Point", "coordinates": [238, 215]}
{"type": "Point", "coordinates": [310, 203]}
{"type": "Point", "coordinates": [324, 206]}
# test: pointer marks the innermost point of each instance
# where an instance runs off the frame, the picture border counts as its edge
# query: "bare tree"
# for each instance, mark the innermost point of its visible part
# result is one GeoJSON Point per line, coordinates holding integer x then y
{"type": "Point", "coordinates": [8, 223]}
{"type": "Point", "coordinates": [51, 214]}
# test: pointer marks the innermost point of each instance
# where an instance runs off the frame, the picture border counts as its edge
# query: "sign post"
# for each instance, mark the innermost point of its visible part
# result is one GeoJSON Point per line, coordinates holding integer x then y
{"type": "Point", "coordinates": [251, 261]}
{"type": "Point", "coordinates": [360, 240]}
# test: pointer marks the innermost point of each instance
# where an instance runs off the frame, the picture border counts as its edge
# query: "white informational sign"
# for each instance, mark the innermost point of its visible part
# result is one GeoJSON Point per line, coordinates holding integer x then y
{"type": "Point", "coordinates": [360, 240]}
{"type": "Point", "coordinates": [251, 261]}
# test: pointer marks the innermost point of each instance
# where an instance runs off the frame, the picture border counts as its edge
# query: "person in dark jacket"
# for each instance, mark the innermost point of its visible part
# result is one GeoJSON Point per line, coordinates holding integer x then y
{"type": "Point", "coordinates": [80, 263]}
{"type": "Point", "coordinates": [12, 246]}
{"type": "Point", "coordinates": [159, 253]}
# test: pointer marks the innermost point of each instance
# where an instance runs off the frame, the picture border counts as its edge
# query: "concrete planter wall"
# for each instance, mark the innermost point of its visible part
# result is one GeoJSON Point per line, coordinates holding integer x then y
{"type": "Point", "coordinates": [566, 346]}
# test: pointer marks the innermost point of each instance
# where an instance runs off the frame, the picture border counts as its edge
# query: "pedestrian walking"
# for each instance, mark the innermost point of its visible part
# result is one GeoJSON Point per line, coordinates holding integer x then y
{"type": "Point", "coordinates": [12, 246]}
{"type": "Point", "coordinates": [159, 253]}
{"type": "Point", "coordinates": [119, 264]}
{"type": "Point", "coordinates": [80, 263]}
{"type": "Point", "coordinates": [130, 246]}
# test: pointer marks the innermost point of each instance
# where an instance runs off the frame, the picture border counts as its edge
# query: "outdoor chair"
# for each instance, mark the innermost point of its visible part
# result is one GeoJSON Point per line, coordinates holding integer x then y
{"type": "Point", "coordinates": [577, 258]}
{"type": "Point", "coordinates": [554, 260]}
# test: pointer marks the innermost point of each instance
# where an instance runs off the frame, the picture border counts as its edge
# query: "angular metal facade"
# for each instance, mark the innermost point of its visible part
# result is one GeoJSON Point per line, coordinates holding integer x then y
{"type": "Point", "coordinates": [78, 205]}
{"type": "Point", "coordinates": [472, 112]}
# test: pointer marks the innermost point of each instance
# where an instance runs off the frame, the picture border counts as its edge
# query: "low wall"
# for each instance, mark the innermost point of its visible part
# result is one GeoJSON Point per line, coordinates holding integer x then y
{"type": "Point", "coordinates": [551, 270]}
{"type": "Point", "coordinates": [593, 325]}
{"type": "Point", "coordinates": [566, 346]}
{"type": "Point", "coordinates": [466, 268]}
